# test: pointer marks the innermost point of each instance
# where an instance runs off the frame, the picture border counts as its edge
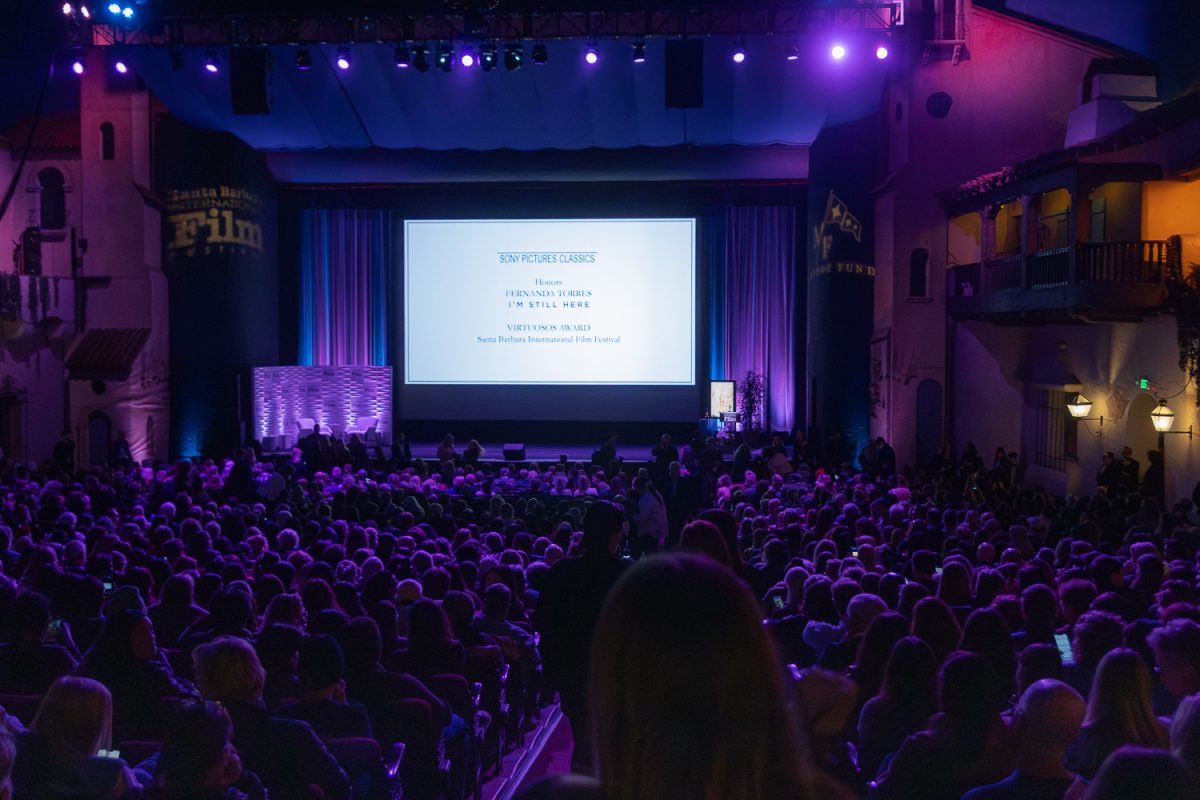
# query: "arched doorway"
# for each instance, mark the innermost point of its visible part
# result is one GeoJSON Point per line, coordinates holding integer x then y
{"type": "Point", "coordinates": [99, 437]}
{"type": "Point", "coordinates": [1140, 435]}
{"type": "Point", "coordinates": [929, 420]}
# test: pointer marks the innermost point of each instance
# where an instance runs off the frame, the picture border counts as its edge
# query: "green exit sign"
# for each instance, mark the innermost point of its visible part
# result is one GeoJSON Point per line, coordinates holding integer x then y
{"type": "Point", "coordinates": [1143, 383]}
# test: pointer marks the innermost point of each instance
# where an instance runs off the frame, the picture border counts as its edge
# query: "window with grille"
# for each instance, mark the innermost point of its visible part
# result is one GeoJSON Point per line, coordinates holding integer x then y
{"type": "Point", "coordinates": [1057, 431]}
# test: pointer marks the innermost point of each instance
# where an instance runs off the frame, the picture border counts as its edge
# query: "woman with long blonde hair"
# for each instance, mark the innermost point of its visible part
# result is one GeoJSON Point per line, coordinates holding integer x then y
{"type": "Point", "coordinates": [1119, 712]}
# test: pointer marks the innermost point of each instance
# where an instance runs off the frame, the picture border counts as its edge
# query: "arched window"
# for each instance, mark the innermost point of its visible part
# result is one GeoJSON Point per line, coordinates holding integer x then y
{"type": "Point", "coordinates": [53, 199]}
{"type": "Point", "coordinates": [918, 273]}
{"type": "Point", "coordinates": [108, 145]}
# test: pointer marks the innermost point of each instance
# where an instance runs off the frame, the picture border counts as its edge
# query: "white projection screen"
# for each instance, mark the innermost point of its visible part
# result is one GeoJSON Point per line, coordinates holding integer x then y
{"type": "Point", "coordinates": [550, 302]}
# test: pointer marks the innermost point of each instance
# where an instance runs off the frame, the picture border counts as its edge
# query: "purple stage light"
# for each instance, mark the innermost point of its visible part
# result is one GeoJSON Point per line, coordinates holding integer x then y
{"type": "Point", "coordinates": [127, 12]}
{"type": "Point", "coordinates": [120, 67]}
{"type": "Point", "coordinates": [85, 12]}
{"type": "Point", "coordinates": [467, 57]}
{"type": "Point", "coordinates": [67, 9]}
{"type": "Point", "coordinates": [114, 8]}
{"type": "Point", "coordinates": [77, 66]}
{"type": "Point", "coordinates": [343, 58]}
{"type": "Point", "coordinates": [739, 54]}
{"type": "Point", "coordinates": [212, 68]}
{"type": "Point", "coordinates": [590, 55]}
{"type": "Point", "coordinates": [837, 52]}
{"type": "Point", "coordinates": [881, 52]}
{"type": "Point", "coordinates": [639, 52]}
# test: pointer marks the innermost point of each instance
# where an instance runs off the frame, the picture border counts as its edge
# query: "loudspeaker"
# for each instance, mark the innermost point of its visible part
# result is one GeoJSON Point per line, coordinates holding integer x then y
{"type": "Point", "coordinates": [514, 452]}
{"type": "Point", "coordinates": [685, 73]}
{"type": "Point", "coordinates": [248, 70]}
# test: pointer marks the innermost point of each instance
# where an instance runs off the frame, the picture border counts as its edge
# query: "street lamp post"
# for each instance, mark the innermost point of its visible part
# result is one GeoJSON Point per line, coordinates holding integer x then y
{"type": "Point", "coordinates": [1163, 418]}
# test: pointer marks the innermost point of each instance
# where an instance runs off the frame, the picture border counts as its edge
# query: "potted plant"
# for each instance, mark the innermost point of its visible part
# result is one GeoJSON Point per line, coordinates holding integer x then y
{"type": "Point", "coordinates": [752, 392]}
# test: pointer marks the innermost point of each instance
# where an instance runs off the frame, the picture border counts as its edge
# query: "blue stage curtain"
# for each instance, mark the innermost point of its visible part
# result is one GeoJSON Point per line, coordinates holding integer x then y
{"type": "Point", "coordinates": [752, 302]}
{"type": "Point", "coordinates": [346, 264]}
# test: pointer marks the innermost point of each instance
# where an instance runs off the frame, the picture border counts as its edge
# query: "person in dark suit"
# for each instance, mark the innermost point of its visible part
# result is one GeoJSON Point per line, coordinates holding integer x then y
{"type": "Point", "coordinates": [682, 496]}
{"type": "Point", "coordinates": [29, 664]}
{"type": "Point", "coordinates": [572, 596]}
{"type": "Point", "coordinates": [1130, 469]}
{"type": "Point", "coordinates": [286, 754]}
{"type": "Point", "coordinates": [119, 454]}
{"type": "Point", "coordinates": [322, 668]}
{"type": "Point", "coordinates": [664, 455]}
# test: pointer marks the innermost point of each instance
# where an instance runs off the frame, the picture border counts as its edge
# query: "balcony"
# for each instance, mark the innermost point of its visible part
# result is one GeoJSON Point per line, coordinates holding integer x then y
{"type": "Point", "coordinates": [1089, 281]}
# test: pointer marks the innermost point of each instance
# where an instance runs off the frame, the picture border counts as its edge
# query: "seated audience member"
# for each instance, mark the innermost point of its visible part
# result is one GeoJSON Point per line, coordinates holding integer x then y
{"type": "Point", "coordinates": [29, 663]}
{"type": "Point", "coordinates": [198, 760]}
{"type": "Point", "coordinates": [176, 611]}
{"type": "Point", "coordinates": [1119, 712]}
{"type": "Point", "coordinates": [8, 754]}
{"type": "Point", "coordinates": [286, 754]}
{"type": "Point", "coordinates": [861, 611]}
{"type": "Point", "coordinates": [1095, 634]}
{"type": "Point", "coordinates": [229, 614]}
{"type": "Point", "coordinates": [933, 621]}
{"type": "Point", "coordinates": [285, 609]}
{"type": "Point", "coordinates": [681, 660]}
{"type": "Point", "coordinates": [431, 648]}
{"type": "Point", "coordinates": [903, 707]}
{"type": "Point", "coordinates": [1047, 719]}
{"type": "Point", "coordinates": [126, 660]}
{"type": "Point", "coordinates": [875, 651]}
{"type": "Point", "coordinates": [65, 752]}
{"type": "Point", "coordinates": [322, 669]}
{"type": "Point", "coordinates": [494, 622]}
{"type": "Point", "coordinates": [1176, 648]}
{"type": "Point", "coordinates": [277, 647]}
{"type": "Point", "coordinates": [966, 745]}
{"type": "Point", "coordinates": [1139, 773]}
{"type": "Point", "coordinates": [1038, 662]}
{"type": "Point", "coordinates": [1039, 610]}
{"type": "Point", "coordinates": [378, 689]}
{"type": "Point", "coordinates": [1185, 733]}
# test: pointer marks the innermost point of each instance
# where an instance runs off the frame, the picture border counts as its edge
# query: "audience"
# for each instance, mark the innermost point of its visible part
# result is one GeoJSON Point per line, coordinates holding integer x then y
{"type": "Point", "coordinates": [344, 596]}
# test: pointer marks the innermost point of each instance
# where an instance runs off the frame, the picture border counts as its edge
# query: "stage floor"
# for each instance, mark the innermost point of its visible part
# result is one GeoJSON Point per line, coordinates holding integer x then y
{"type": "Point", "coordinates": [541, 453]}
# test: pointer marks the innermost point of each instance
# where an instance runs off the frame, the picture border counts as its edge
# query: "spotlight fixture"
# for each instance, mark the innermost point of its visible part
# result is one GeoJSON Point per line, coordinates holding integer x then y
{"type": "Point", "coordinates": [639, 52]}
{"type": "Point", "coordinates": [420, 58]}
{"type": "Point", "coordinates": [77, 65]}
{"type": "Point", "coordinates": [739, 54]}
{"type": "Point", "coordinates": [837, 52]}
{"type": "Point", "coordinates": [127, 12]}
{"type": "Point", "coordinates": [445, 57]}
{"type": "Point", "coordinates": [401, 58]}
{"type": "Point", "coordinates": [881, 52]}
{"type": "Point", "coordinates": [514, 56]}
{"type": "Point", "coordinates": [120, 66]}
{"type": "Point", "coordinates": [539, 53]}
{"type": "Point", "coordinates": [85, 12]}
{"type": "Point", "coordinates": [212, 65]}
{"type": "Point", "coordinates": [793, 53]}
{"type": "Point", "coordinates": [303, 59]}
{"type": "Point", "coordinates": [114, 8]}
{"type": "Point", "coordinates": [488, 57]}
{"type": "Point", "coordinates": [67, 9]}
{"type": "Point", "coordinates": [466, 57]}
{"type": "Point", "coordinates": [590, 54]}
{"type": "Point", "coordinates": [343, 57]}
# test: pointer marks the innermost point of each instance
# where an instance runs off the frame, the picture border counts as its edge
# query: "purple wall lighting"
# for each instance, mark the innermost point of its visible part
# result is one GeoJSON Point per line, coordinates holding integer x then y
{"type": "Point", "coordinates": [341, 399]}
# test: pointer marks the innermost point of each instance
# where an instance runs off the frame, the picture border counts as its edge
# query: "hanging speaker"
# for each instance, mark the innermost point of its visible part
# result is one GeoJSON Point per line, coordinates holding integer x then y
{"type": "Point", "coordinates": [248, 71]}
{"type": "Point", "coordinates": [685, 73]}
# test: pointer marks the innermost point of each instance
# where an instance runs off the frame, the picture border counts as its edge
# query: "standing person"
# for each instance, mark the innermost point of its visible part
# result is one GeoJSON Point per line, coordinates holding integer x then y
{"type": "Point", "coordinates": [887, 457]}
{"type": "Point", "coordinates": [446, 451]}
{"type": "Point", "coordinates": [607, 452]}
{"type": "Point", "coordinates": [664, 454]}
{"type": "Point", "coordinates": [1153, 483]}
{"type": "Point", "coordinates": [1130, 469]}
{"type": "Point", "coordinates": [651, 516]}
{"type": "Point", "coordinates": [63, 454]}
{"type": "Point", "coordinates": [572, 596]}
{"type": "Point", "coordinates": [1109, 475]}
{"type": "Point", "coordinates": [119, 454]}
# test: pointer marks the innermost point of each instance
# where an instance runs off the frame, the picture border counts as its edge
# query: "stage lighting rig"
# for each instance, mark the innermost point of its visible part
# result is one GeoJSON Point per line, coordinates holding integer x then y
{"type": "Point", "coordinates": [445, 57]}
{"type": "Point", "coordinates": [420, 58]}
{"type": "Point", "coordinates": [303, 59]}
{"type": "Point", "coordinates": [488, 57]}
{"type": "Point", "coordinates": [639, 51]}
{"type": "Point", "coordinates": [540, 55]}
{"type": "Point", "coordinates": [514, 56]}
{"type": "Point", "coordinates": [343, 60]}
{"type": "Point", "coordinates": [212, 65]}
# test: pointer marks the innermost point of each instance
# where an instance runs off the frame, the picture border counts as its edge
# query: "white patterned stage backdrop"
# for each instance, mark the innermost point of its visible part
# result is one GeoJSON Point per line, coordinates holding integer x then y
{"type": "Point", "coordinates": [342, 400]}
